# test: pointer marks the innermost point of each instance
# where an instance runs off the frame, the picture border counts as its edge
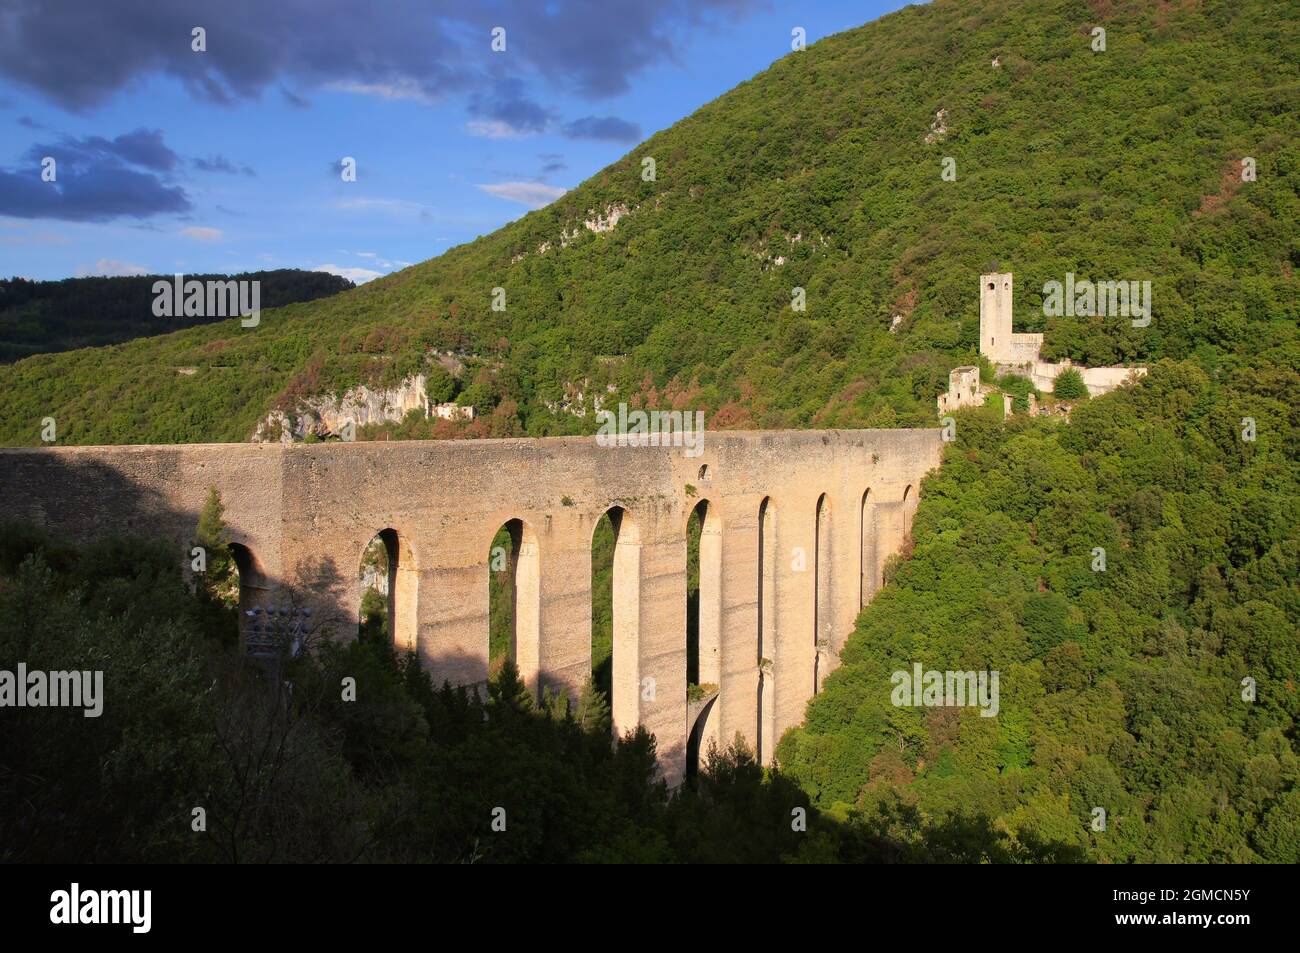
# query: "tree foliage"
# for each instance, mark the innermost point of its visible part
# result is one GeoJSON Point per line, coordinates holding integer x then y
{"type": "Point", "coordinates": [1124, 573]}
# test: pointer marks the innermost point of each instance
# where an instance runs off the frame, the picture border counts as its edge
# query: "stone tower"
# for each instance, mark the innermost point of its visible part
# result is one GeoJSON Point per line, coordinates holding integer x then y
{"type": "Point", "coordinates": [995, 317]}
{"type": "Point", "coordinates": [997, 342]}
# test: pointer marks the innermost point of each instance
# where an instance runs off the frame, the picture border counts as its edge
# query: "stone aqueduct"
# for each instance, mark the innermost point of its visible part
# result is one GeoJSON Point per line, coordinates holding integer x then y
{"type": "Point", "coordinates": [797, 528]}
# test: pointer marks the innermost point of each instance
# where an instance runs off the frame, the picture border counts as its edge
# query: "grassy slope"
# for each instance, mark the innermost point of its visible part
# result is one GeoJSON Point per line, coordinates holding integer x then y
{"type": "Point", "coordinates": [1068, 160]}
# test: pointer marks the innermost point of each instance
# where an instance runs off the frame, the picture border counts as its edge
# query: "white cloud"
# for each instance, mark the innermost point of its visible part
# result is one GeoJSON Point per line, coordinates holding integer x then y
{"type": "Point", "coordinates": [402, 89]}
{"type": "Point", "coordinates": [110, 268]}
{"type": "Point", "coordinates": [358, 275]}
{"type": "Point", "coordinates": [202, 234]}
{"type": "Point", "coordinates": [532, 194]}
{"type": "Point", "coordinates": [397, 207]}
{"type": "Point", "coordinates": [34, 238]}
{"type": "Point", "coordinates": [494, 129]}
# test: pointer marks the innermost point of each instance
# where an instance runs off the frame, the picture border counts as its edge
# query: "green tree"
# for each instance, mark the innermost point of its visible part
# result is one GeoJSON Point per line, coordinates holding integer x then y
{"type": "Point", "coordinates": [439, 385]}
{"type": "Point", "coordinates": [1069, 385]}
{"type": "Point", "coordinates": [218, 583]}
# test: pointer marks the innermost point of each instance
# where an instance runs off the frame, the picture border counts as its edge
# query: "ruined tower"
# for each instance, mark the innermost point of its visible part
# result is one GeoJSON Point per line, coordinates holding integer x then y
{"type": "Point", "coordinates": [995, 317]}
{"type": "Point", "coordinates": [997, 342]}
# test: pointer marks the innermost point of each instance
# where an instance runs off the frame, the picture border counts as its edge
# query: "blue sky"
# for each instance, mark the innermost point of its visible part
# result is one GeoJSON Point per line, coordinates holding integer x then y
{"type": "Point", "coordinates": [227, 160]}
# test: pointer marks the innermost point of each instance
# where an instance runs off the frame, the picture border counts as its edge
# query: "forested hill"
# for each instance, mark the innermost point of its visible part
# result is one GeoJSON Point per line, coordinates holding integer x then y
{"type": "Point", "coordinates": [822, 173]}
{"type": "Point", "coordinates": [39, 317]}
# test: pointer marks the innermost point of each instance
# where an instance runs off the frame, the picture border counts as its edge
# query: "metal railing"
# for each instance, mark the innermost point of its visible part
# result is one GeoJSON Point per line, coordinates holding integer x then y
{"type": "Point", "coordinates": [276, 633]}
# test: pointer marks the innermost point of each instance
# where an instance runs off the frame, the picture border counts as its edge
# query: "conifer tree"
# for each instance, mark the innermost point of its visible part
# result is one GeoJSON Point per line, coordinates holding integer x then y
{"type": "Point", "coordinates": [593, 709]}
{"type": "Point", "coordinates": [218, 581]}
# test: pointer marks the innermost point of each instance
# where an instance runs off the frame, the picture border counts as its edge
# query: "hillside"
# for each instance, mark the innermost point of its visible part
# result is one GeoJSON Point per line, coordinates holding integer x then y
{"type": "Point", "coordinates": [40, 317]}
{"type": "Point", "coordinates": [815, 174]}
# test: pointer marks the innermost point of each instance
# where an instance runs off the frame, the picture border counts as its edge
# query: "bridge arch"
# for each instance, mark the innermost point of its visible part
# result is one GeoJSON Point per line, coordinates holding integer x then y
{"type": "Point", "coordinates": [898, 518]}
{"type": "Point", "coordinates": [821, 591]}
{"type": "Point", "coordinates": [703, 623]}
{"type": "Point", "coordinates": [252, 585]}
{"type": "Point", "coordinates": [615, 662]}
{"type": "Point", "coordinates": [866, 549]}
{"type": "Point", "coordinates": [514, 601]}
{"type": "Point", "coordinates": [702, 732]}
{"type": "Point", "coordinates": [909, 511]}
{"type": "Point", "coordinates": [402, 572]}
{"type": "Point", "coordinates": [765, 636]}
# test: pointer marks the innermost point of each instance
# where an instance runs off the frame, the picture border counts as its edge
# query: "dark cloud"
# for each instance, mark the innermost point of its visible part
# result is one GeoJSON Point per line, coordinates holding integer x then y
{"type": "Point", "coordinates": [92, 49]}
{"type": "Point", "coordinates": [552, 162]}
{"type": "Point", "coordinates": [97, 180]}
{"type": "Point", "coordinates": [96, 195]}
{"type": "Point", "coordinates": [507, 102]}
{"type": "Point", "coordinates": [29, 123]}
{"type": "Point", "coordinates": [606, 128]}
{"type": "Point", "coordinates": [220, 163]}
{"type": "Point", "coordinates": [144, 147]}
{"type": "Point", "coordinates": [595, 47]}
{"type": "Point", "coordinates": [293, 99]}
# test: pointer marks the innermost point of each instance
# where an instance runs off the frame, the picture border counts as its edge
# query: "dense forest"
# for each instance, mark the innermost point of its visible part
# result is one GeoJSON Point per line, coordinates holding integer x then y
{"type": "Point", "coordinates": [1122, 677]}
{"type": "Point", "coordinates": [1132, 571]}
{"type": "Point", "coordinates": [40, 317]}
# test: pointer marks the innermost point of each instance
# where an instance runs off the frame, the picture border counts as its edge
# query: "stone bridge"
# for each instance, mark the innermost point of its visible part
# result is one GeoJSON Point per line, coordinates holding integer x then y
{"type": "Point", "coordinates": [796, 528]}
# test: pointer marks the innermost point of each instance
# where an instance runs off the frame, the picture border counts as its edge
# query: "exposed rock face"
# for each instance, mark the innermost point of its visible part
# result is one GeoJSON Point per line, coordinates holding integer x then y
{"type": "Point", "coordinates": [939, 128]}
{"type": "Point", "coordinates": [776, 261]}
{"type": "Point", "coordinates": [597, 221]}
{"type": "Point", "coordinates": [607, 221]}
{"type": "Point", "coordinates": [326, 415]}
{"type": "Point", "coordinates": [574, 401]}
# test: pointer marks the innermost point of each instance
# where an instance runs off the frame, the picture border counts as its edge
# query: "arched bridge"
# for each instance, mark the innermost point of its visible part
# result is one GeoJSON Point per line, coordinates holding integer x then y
{"type": "Point", "coordinates": [796, 526]}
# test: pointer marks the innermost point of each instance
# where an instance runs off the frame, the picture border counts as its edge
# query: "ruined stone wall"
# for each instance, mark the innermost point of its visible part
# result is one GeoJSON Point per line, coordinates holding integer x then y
{"type": "Point", "coordinates": [307, 512]}
{"type": "Point", "coordinates": [1098, 380]}
{"type": "Point", "coordinates": [963, 389]}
